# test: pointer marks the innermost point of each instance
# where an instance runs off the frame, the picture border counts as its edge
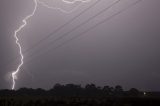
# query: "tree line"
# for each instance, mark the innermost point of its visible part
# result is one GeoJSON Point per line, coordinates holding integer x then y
{"type": "Point", "coordinates": [76, 95]}
{"type": "Point", "coordinates": [75, 90]}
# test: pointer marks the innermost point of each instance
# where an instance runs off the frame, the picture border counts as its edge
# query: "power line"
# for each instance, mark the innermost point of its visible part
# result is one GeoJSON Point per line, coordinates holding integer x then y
{"type": "Point", "coordinates": [85, 22]}
{"type": "Point", "coordinates": [105, 20]}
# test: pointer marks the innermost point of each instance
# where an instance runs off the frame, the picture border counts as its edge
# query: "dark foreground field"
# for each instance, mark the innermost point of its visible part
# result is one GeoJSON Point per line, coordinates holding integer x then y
{"type": "Point", "coordinates": [79, 101]}
{"type": "Point", "coordinates": [75, 95]}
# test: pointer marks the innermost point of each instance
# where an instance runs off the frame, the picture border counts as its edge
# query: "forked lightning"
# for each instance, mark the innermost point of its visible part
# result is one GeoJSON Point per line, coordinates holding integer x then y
{"type": "Point", "coordinates": [14, 73]}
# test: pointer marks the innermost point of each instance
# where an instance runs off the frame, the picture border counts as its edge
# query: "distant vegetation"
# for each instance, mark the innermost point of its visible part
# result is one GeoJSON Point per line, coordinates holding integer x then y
{"type": "Point", "coordinates": [75, 95]}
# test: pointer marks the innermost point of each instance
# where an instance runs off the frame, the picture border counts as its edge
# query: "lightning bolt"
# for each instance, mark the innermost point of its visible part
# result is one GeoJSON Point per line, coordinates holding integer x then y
{"type": "Point", "coordinates": [67, 2]}
{"type": "Point", "coordinates": [14, 73]}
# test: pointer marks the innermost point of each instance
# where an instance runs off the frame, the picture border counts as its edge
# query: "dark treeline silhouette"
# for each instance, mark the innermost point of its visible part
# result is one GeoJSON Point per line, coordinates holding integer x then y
{"type": "Point", "coordinates": [76, 95]}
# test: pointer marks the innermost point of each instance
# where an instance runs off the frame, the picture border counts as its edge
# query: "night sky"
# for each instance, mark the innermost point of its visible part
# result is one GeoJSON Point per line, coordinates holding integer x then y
{"type": "Point", "coordinates": [122, 51]}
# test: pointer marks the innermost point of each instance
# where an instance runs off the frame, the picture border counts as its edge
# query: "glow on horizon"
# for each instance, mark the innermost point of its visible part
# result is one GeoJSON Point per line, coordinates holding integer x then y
{"type": "Point", "coordinates": [14, 73]}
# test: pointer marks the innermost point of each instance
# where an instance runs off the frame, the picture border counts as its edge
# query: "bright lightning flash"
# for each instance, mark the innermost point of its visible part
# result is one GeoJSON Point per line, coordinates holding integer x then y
{"type": "Point", "coordinates": [14, 73]}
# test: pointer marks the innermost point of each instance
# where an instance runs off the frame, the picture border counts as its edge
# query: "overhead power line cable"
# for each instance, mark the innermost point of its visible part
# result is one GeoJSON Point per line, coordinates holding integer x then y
{"type": "Point", "coordinates": [80, 25]}
{"type": "Point", "coordinates": [101, 22]}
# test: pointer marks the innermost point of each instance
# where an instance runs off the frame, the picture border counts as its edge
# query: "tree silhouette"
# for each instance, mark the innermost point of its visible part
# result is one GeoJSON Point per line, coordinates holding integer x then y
{"type": "Point", "coordinates": [108, 90]}
{"type": "Point", "coordinates": [118, 90]}
{"type": "Point", "coordinates": [76, 95]}
{"type": "Point", "coordinates": [134, 92]}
